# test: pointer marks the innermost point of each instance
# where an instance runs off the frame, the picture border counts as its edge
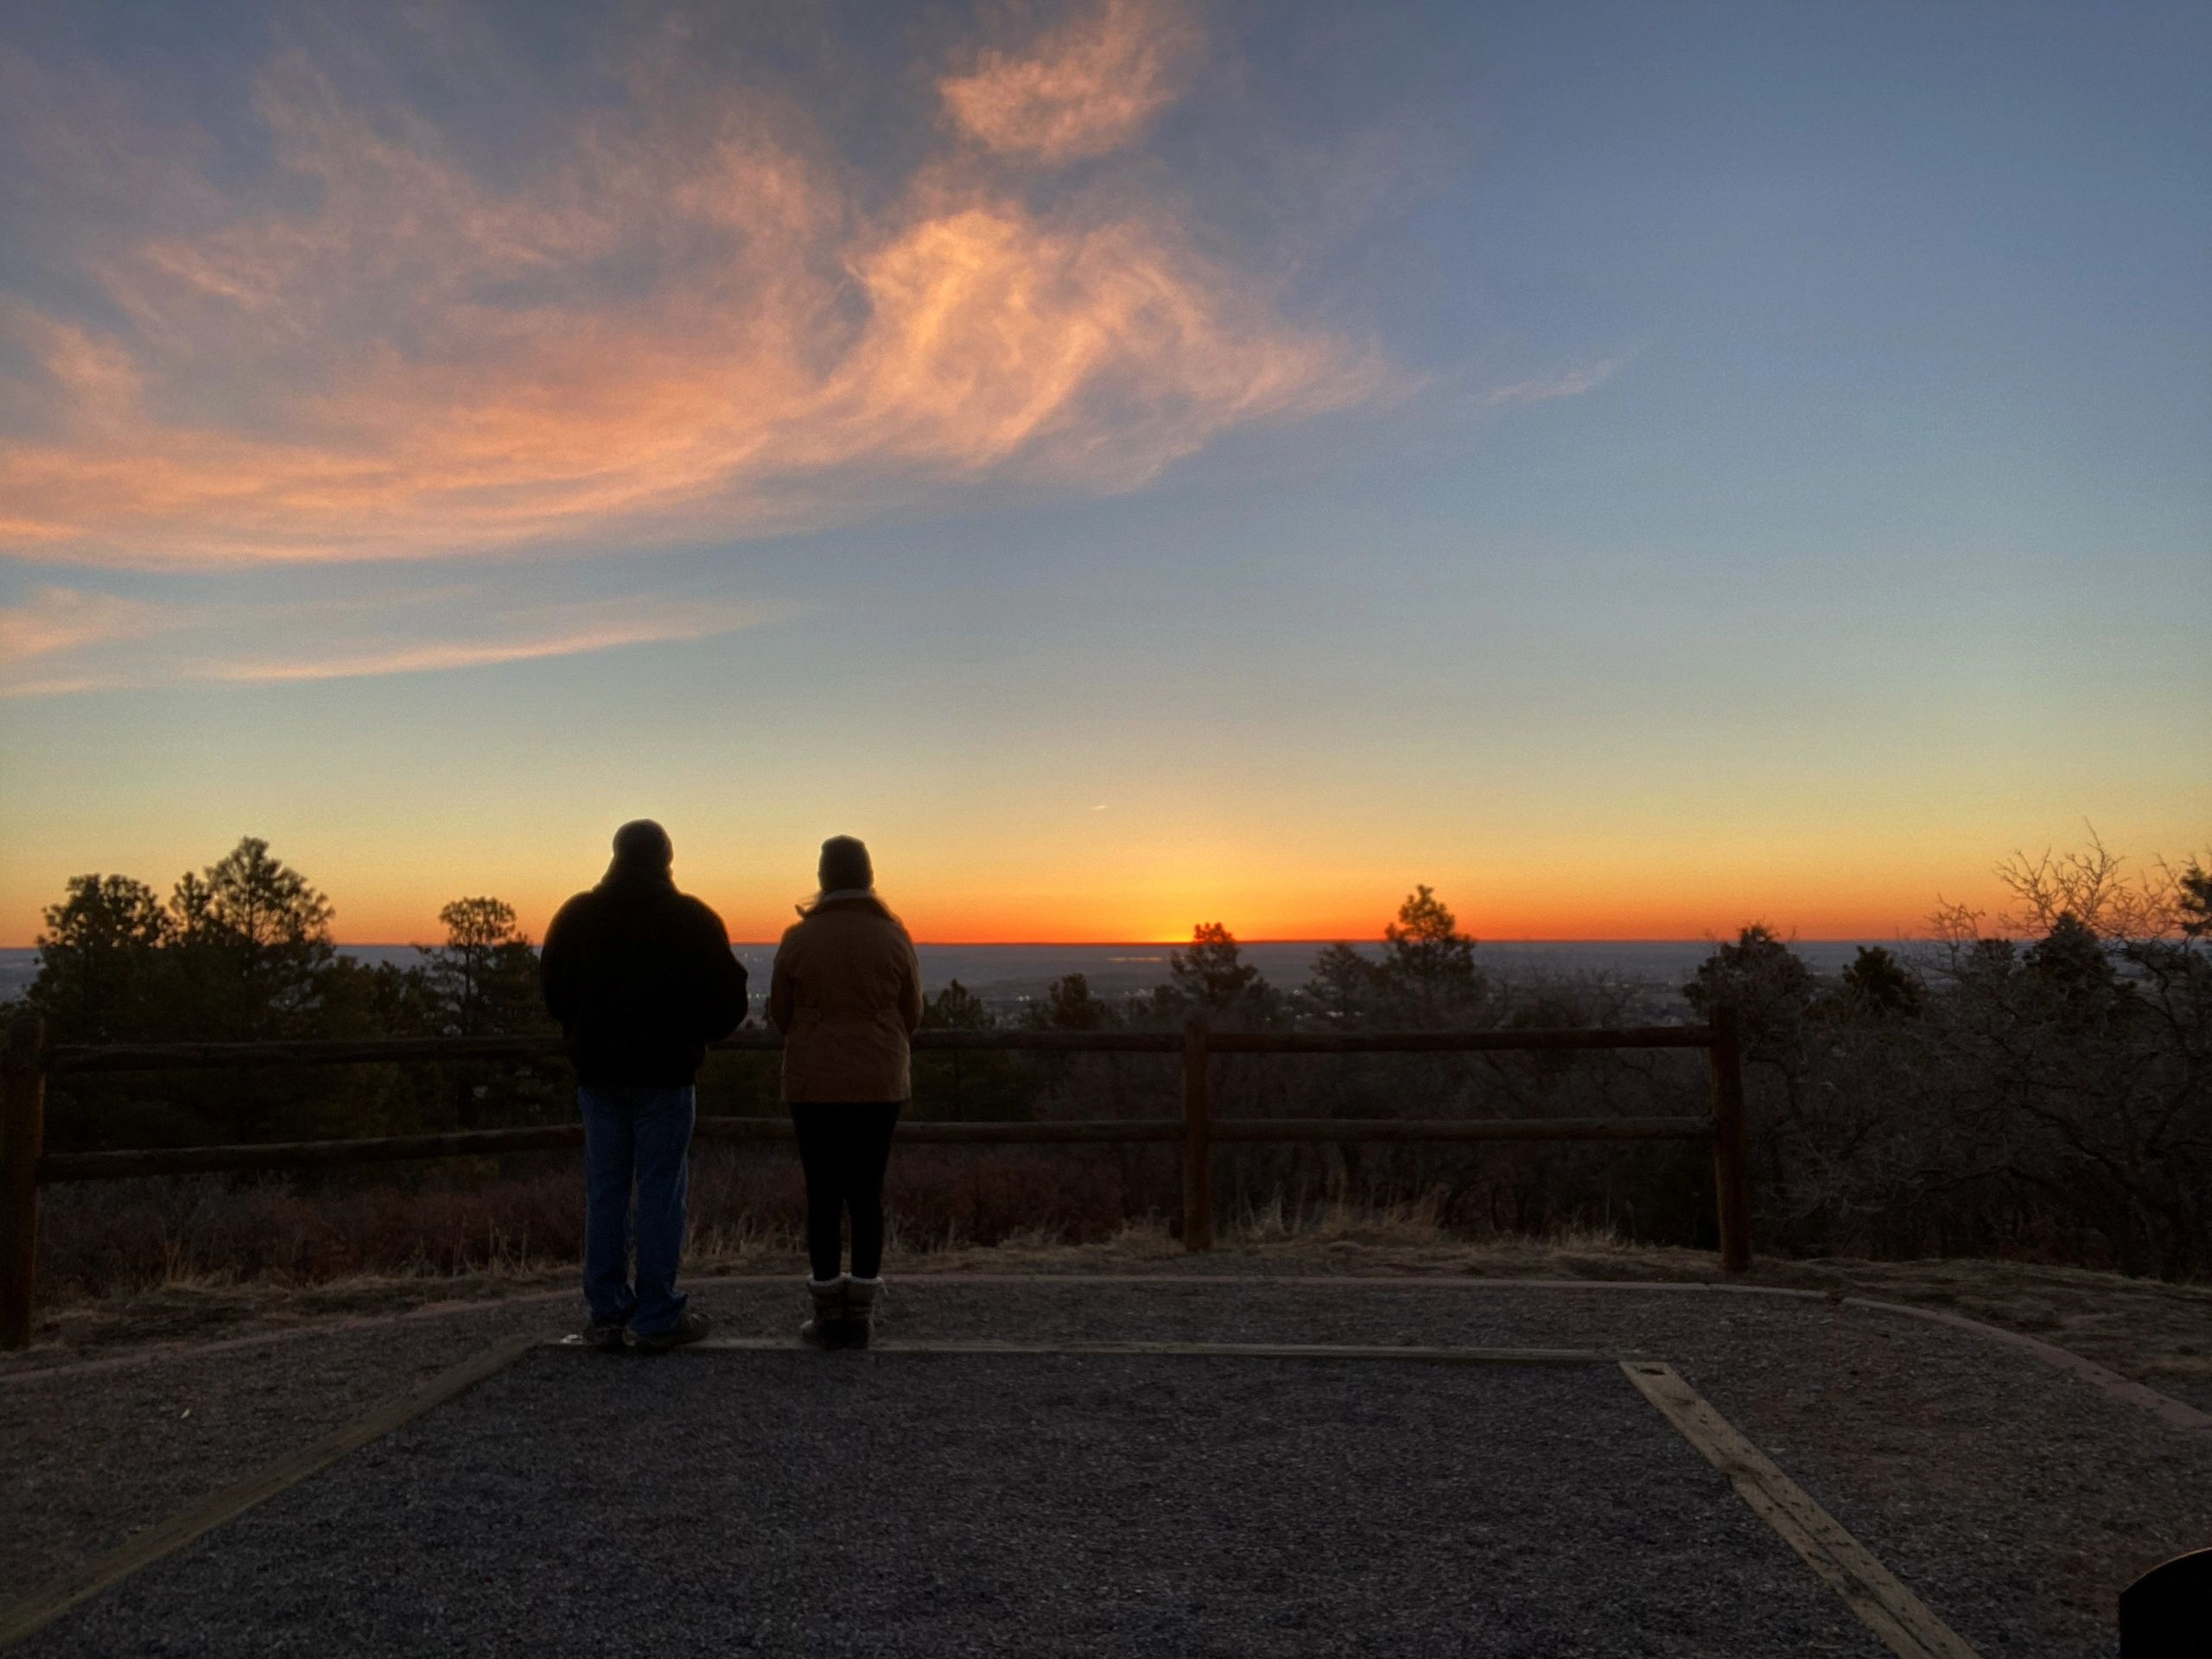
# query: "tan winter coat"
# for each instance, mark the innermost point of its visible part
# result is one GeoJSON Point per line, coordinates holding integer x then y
{"type": "Point", "coordinates": [846, 993]}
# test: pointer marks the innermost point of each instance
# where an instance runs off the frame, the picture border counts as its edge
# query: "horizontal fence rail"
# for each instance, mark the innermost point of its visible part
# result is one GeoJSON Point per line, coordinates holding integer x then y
{"type": "Point", "coordinates": [75, 1059]}
{"type": "Point", "coordinates": [485, 1143]}
{"type": "Point", "coordinates": [25, 1166]}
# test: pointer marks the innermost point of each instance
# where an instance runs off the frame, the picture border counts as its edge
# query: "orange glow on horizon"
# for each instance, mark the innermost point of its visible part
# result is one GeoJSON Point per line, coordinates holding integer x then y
{"type": "Point", "coordinates": [936, 921]}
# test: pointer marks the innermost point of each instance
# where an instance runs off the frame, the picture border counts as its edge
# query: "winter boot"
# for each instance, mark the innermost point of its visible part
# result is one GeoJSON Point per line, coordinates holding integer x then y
{"type": "Point", "coordinates": [827, 1328]}
{"type": "Point", "coordinates": [689, 1328]}
{"type": "Point", "coordinates": [859, 1310]}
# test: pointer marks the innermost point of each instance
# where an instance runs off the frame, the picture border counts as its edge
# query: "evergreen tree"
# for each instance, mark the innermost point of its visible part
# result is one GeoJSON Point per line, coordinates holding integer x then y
{"type": "Point", "coordinates": [1767, 983]}
{"type": "Point", "coordinates": [100, 961]}
{"type": "Point", "coordinates": [1212, 973]}
{"type": "Point", "coordinates": [483, 979]}
{"type": "Point", "coordinates": [2071, 966]}
{"type": "Point", "coordinates": [955, 1008]}
{"type": "Point", "coordinates": [1428, 972]}
{"type": "Point", "coordinates": [1212, 978]}
{"type": "Point", "coordinates": [1345, 989]}
{"type": "Point", "coordinates": [1875, 984]}
{"type": "Point", "coordinates": [253, 939]}
{"type": "Point", "coordinates": [2195, 901]}
{"type": "Point", "coordinates": [1069, 1006]}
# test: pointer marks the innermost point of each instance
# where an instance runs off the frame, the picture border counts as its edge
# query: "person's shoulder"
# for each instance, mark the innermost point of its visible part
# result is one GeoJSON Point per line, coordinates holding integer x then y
{"type": "Point", "coordinates": [891, 931]}
{"type": "Point", "coordinates": [576, 904]}
{"type": "Point", "coordinates": [703, 926]}
{"type": "Point", "coordinates": [700, 911]}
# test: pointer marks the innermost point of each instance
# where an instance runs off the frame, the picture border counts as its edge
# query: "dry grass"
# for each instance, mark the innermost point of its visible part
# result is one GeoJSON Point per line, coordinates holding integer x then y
{"type": "Point", "coordinates": [98, 1241]}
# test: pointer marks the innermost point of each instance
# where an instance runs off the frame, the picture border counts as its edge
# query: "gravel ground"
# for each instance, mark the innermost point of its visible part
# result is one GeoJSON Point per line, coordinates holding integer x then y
{"type": "Point", "coordinates": [2014, 1499]}
{"type": "Point", "coordinates": [954, 1505]}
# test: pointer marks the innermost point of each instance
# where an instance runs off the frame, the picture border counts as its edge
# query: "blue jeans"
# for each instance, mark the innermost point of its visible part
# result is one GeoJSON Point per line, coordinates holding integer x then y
{"type": "Point", "coordinates": [641, 1134]}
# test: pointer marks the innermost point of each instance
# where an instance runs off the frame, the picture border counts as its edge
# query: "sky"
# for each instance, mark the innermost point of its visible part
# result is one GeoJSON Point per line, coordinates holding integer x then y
{"type": "Point", "coordinates": [1637, 469]}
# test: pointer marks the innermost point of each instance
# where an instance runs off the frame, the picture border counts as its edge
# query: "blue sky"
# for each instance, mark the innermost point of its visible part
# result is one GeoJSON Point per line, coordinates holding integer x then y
{"type": "Point", "coordinates": [1638, 468]}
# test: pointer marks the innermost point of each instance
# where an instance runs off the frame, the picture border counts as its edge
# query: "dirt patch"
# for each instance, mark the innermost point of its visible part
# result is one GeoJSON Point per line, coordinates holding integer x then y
{"type": "Point", "coordinates": [2156, 1333]}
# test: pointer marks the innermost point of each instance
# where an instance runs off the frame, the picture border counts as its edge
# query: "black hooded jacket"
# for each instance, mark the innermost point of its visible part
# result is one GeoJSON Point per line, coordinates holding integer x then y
{"type": "Point", "coordinates": [641, 978]}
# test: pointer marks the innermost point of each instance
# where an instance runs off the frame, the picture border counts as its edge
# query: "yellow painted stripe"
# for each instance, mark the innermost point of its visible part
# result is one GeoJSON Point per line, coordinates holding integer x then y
{"type": "Point", "coordinates": [1903, 1621]}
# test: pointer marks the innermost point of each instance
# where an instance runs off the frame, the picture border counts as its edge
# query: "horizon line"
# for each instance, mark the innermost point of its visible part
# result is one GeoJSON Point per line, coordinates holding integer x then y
{"type": "Point", "coordinates": [1181, 944]}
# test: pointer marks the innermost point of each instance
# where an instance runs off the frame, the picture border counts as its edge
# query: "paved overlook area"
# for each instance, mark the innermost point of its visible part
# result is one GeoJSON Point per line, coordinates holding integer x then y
{"type": "Point", "coordinates": [1088, 1504]}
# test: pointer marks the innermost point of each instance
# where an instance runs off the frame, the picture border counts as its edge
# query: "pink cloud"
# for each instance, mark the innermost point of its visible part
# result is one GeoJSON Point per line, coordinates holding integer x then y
{"type": "Point", "coordinates": [65, 619]}
{"type": "Point", "coordinates": [225, 640]}
{"type": "Point", "coordinates": [68, 686]}
{"type": "Point", "coordinates": [404, 360]}
{"type": "Point", "coordinates": [568, 632]}
{"type": "Point", "coordinates": [1087, 88]}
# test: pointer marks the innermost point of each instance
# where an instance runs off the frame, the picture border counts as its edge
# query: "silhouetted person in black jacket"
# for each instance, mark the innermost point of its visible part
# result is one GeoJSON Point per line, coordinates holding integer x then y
{"type": "Point", "coordinates": [641, 978]}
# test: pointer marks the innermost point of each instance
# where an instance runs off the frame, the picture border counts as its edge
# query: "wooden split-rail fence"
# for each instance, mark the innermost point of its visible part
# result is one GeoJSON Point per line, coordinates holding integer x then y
{"type": "Point", "coordinates": [25, 1166]}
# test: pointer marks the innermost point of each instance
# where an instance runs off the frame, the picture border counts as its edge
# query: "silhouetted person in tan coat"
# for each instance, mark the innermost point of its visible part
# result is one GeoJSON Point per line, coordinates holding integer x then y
{"type": "Point", "coordinates": [846, 993]}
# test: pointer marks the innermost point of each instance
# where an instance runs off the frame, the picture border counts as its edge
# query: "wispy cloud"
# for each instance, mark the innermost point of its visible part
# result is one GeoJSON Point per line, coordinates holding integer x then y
{"type": "Point", "coordinates": [109, 643]}
{"type": "Point", "coordinates": [1569, 382]}
{"type": "Point", "coordinates": [65, 687]}
{"type": "Point", "coordinates": [55, 620]}
{"type": "Point", "coordinates": [534, 636]}
{"type": "Point", "coordinates": [690, 320]}
{"type": "Point", "coordinates": [1086, 87]}
{"type": "Point", "coordinates": [66, 619]}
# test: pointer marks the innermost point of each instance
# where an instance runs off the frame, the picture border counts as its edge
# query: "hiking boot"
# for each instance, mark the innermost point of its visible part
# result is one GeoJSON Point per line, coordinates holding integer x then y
{"type": "Point", "coordinates": [827, 1328]}
{"type": "Point", "coordinates": [860, 1311]}
{"type": "Point", "coordinates": [608, 1336]}
{"type": "Point", "coordinates": [689, 1328]}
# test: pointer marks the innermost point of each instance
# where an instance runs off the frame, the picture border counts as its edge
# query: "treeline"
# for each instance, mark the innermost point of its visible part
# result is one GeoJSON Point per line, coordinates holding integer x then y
{"type": "Point", "coordinates": [241, 951]}
{"type": "Point", "coordinates": [2045, 1088]}
{"type": "Point", "coordinates": [1426, 977]}
{"type": "Point", "coordinates": [2035, 1083]}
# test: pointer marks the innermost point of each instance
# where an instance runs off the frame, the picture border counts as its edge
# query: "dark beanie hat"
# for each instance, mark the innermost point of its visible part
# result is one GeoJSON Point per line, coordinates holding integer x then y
{"type": "Point", "coordinates": [644, 845]}
{"type": "Point", "coordinates": [845, 864]}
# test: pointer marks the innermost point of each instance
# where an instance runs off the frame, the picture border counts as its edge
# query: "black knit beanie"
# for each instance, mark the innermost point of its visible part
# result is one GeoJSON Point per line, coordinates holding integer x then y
{"type": "Point", "coordinates": [845, 865]}
{"type": "Point", "coordinates": [642, 845]}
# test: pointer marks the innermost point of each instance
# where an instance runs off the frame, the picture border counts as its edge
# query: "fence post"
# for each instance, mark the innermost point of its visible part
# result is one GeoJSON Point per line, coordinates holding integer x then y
{"type": "Point", "coordinates": [1197, 1139]}
{"type": "Point", "coordinates": [22, 1137]}
{"type": "Point", "coordinates": [1731, 1182]}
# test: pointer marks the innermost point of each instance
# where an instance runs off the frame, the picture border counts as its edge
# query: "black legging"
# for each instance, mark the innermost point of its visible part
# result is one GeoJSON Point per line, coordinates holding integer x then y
{"type": "Point", "coordinates": [844, 1149]}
